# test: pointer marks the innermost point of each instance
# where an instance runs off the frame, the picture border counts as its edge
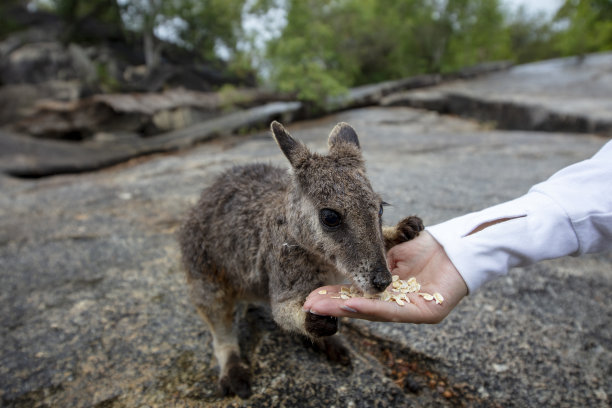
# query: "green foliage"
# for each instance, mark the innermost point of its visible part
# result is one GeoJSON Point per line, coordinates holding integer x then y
{"type": "Point", "coordinates": [303, 60]}
{"type": "Point", "coordinates": [107, 82]}
{"type": "Point", "coordinates": [207, 24]}
{"type": "Point", "coordinates": [531, 37]}
{"type": "Point", "coordinates": [230, 97]}
{"type": "Point", "coordinates": [477, 34]}
{"type": "Point", "coordinates": [329, 45]}
{"type": "Point", "coordinates": [107, 11]}
{"type": "Point", "coordinates": [76, 12]}
{"type": "Point", "coordinates": [8, 25]}
{"type": "Point", "coordinates": [589, 26]}
{"type": "Point", "coordinates": [198, 25]}
{"type": "Point", "coordinates": [323, 47]}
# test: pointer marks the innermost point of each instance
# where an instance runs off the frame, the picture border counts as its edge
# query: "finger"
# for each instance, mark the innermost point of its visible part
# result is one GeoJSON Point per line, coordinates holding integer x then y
{"type": "Point", "coordinates": [321, 293]}
{"type": "Point", "coordinates": [391, 259]}
{"type": "Point", "coordinates": [329, 306]}
{"type": "Point", "coordinates": [378, 310]}
{"type": "Point", "coordinates": [325, 301]}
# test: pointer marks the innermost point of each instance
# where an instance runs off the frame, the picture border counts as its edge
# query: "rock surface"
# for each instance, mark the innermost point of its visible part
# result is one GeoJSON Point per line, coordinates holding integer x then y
{"type": "Point", "coordinates": [567, 94]}
{"type": "Point", "coordinates": [24, 156]}
{"type": "Point", "coordinates": [143, 114]}
{"type": "Point", "coordinates": [94, 310]}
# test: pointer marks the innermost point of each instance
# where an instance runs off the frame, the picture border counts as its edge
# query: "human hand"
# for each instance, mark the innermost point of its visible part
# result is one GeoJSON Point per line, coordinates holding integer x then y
{"type": "Point", "coordinates": [422, 258]}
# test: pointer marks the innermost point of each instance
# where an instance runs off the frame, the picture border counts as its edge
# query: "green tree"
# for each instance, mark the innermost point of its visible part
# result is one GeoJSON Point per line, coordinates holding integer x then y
{"type": "Point", "coordinates": [477, 33]}
{"type": "Point", "coordinates": [531, 37]}
{"type": "Point", "coordinates": [328, 45]}
{"type": "Point", "coordinates": [302, 59]}
{"type": "Point", "coordinates": [201, 26]}
{"type": "Point", "coordinates": [78, 15]}
{"type": "Point", "coordinates": [208, 24]}
{"type": "Point", "coordinates": [198, 25]}
{"type": "Point", "coordinates": [589, 26]}
{"type": "Point", "coordinates": [377, 40]}
{"type": "Point", "coordinates": [143, 17]}
{"type": "Point", "coordinates": [8, 24]}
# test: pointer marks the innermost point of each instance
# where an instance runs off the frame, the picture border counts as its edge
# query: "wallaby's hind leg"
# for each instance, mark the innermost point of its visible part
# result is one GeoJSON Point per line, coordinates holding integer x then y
{"type": "Point", "coordinates": [405, 230]}
{"type": "Point", "coordinates": [234, 375]}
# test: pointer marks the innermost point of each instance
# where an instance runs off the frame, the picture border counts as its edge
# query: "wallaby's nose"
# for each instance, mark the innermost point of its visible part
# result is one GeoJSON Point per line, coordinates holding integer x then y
{"type": "Point", "coordinates": [381, 278]}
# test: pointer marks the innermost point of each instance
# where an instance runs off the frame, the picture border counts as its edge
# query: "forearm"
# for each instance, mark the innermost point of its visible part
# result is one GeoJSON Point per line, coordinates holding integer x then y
{"type": "Point", "coordinates": [569, 214]}
{"type": "Point", "coordinates": [535, 228]}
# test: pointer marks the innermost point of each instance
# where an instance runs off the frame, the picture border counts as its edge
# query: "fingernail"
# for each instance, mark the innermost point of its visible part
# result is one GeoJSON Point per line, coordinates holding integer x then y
{"type": "Point", "coordinates": [348, 309]}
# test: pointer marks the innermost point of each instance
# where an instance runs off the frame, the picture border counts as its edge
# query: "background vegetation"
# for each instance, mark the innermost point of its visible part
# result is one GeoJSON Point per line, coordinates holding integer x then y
{"type": "Point", "coordinates": [322, 47]}
{"type": "Point", "coordinates": [328, 45]}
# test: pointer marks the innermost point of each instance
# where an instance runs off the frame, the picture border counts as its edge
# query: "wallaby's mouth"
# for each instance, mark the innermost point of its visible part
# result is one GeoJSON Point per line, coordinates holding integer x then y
{"type": "Point", "coordinates": [380, 281]}
{"type": "Point", "coordinates": [376, 284]}
{"type": "Point", "coordinates": [369, 280]}
{"type": "Point", "coordinates": [380, 278]}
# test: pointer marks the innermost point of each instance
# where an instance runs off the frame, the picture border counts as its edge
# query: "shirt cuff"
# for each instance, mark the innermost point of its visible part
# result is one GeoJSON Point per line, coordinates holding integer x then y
{"type": "Point", "coordinates": [536, 228]}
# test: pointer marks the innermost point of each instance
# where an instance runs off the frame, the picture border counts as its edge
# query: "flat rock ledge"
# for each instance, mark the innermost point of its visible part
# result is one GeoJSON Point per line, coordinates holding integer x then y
{"type": "Point", "coordinates": [561, 95]}
{"type": "Point", "coordinates": [115, 119]}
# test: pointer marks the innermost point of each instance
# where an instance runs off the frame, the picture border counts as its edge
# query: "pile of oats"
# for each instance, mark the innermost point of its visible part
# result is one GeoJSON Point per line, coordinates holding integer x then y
{"type": "Point", "coordinates": [396, 292]}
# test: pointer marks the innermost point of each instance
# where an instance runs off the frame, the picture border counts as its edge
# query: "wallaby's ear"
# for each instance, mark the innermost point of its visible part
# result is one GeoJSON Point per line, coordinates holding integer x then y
{"type": "Point", "coordinates": [343, 133]}
{"type": "Point", "coordinates": [294, 150]}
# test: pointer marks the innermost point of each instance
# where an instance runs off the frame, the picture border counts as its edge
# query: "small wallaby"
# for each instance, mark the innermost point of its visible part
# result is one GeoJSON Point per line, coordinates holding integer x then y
{"type": "Point", "coordinates": [262, 233]}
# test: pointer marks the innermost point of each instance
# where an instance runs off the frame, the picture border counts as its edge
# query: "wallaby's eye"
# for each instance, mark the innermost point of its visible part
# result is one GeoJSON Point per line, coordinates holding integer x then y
{"type": "Point", "coordinates": [330, 218]}
{"type": "Point", "coordinates": [380, 210]}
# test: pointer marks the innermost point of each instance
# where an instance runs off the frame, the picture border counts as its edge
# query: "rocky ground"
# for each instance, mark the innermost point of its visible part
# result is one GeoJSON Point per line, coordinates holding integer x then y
{"type": "Point", "coordinates": [94, 313]}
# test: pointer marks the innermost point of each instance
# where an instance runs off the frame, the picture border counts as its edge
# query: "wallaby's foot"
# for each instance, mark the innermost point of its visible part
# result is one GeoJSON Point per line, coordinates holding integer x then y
{"type": "Point", "coordinates": [405, 230]}
{"type": "Point", "coordinates": [236, 378]}
{"type": "Point", "coordinates": [335, 350]}
{"type": "Point", "coordinates": [321, 326]}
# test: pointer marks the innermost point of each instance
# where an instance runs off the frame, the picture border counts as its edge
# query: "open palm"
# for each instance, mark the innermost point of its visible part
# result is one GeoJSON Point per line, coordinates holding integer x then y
{"type": "Point", "coordinates": [422, 258]}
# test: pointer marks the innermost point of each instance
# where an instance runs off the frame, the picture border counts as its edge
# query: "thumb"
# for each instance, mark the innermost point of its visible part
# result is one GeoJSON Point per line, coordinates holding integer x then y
{"type": "Point", "coordinates": [393, 257]}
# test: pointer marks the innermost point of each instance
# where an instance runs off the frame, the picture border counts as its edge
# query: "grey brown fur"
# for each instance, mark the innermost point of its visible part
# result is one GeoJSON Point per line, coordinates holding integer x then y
{"type": "Point", "coordinates": [258, 233]}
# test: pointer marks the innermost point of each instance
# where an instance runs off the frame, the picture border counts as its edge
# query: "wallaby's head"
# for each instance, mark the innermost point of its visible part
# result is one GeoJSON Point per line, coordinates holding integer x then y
{"type": "Point", "coordinates": [333, 210]}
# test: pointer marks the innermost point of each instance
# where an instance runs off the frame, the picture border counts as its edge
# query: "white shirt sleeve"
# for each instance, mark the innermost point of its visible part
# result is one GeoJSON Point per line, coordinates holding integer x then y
{"type": "Point", "coordinates": [569, 214]}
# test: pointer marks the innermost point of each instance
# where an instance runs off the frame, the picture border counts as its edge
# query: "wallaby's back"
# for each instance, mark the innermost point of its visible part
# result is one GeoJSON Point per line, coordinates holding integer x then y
{"type": "Point", "coordinates": [225, 233]}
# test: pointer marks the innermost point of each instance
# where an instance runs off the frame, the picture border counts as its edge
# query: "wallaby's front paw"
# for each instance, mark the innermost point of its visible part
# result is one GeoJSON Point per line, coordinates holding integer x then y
{"type": "Point", "coordinates": [236, 380]}
{"type": "Point", "coordinates": [409, 228]}
{"type": "Point", "coordinates": [320, 326]}
{"type": "Point", "coordinates": [405, 230]}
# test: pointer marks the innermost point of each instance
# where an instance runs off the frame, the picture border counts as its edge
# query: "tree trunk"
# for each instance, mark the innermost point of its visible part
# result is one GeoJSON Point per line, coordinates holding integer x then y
{"type": "Point", "coordinates": [151, 50]}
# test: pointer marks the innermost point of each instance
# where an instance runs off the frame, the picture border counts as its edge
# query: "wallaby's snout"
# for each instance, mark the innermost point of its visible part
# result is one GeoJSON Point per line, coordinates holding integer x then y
{"type": "Point", "coordinates": [380, 278]}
